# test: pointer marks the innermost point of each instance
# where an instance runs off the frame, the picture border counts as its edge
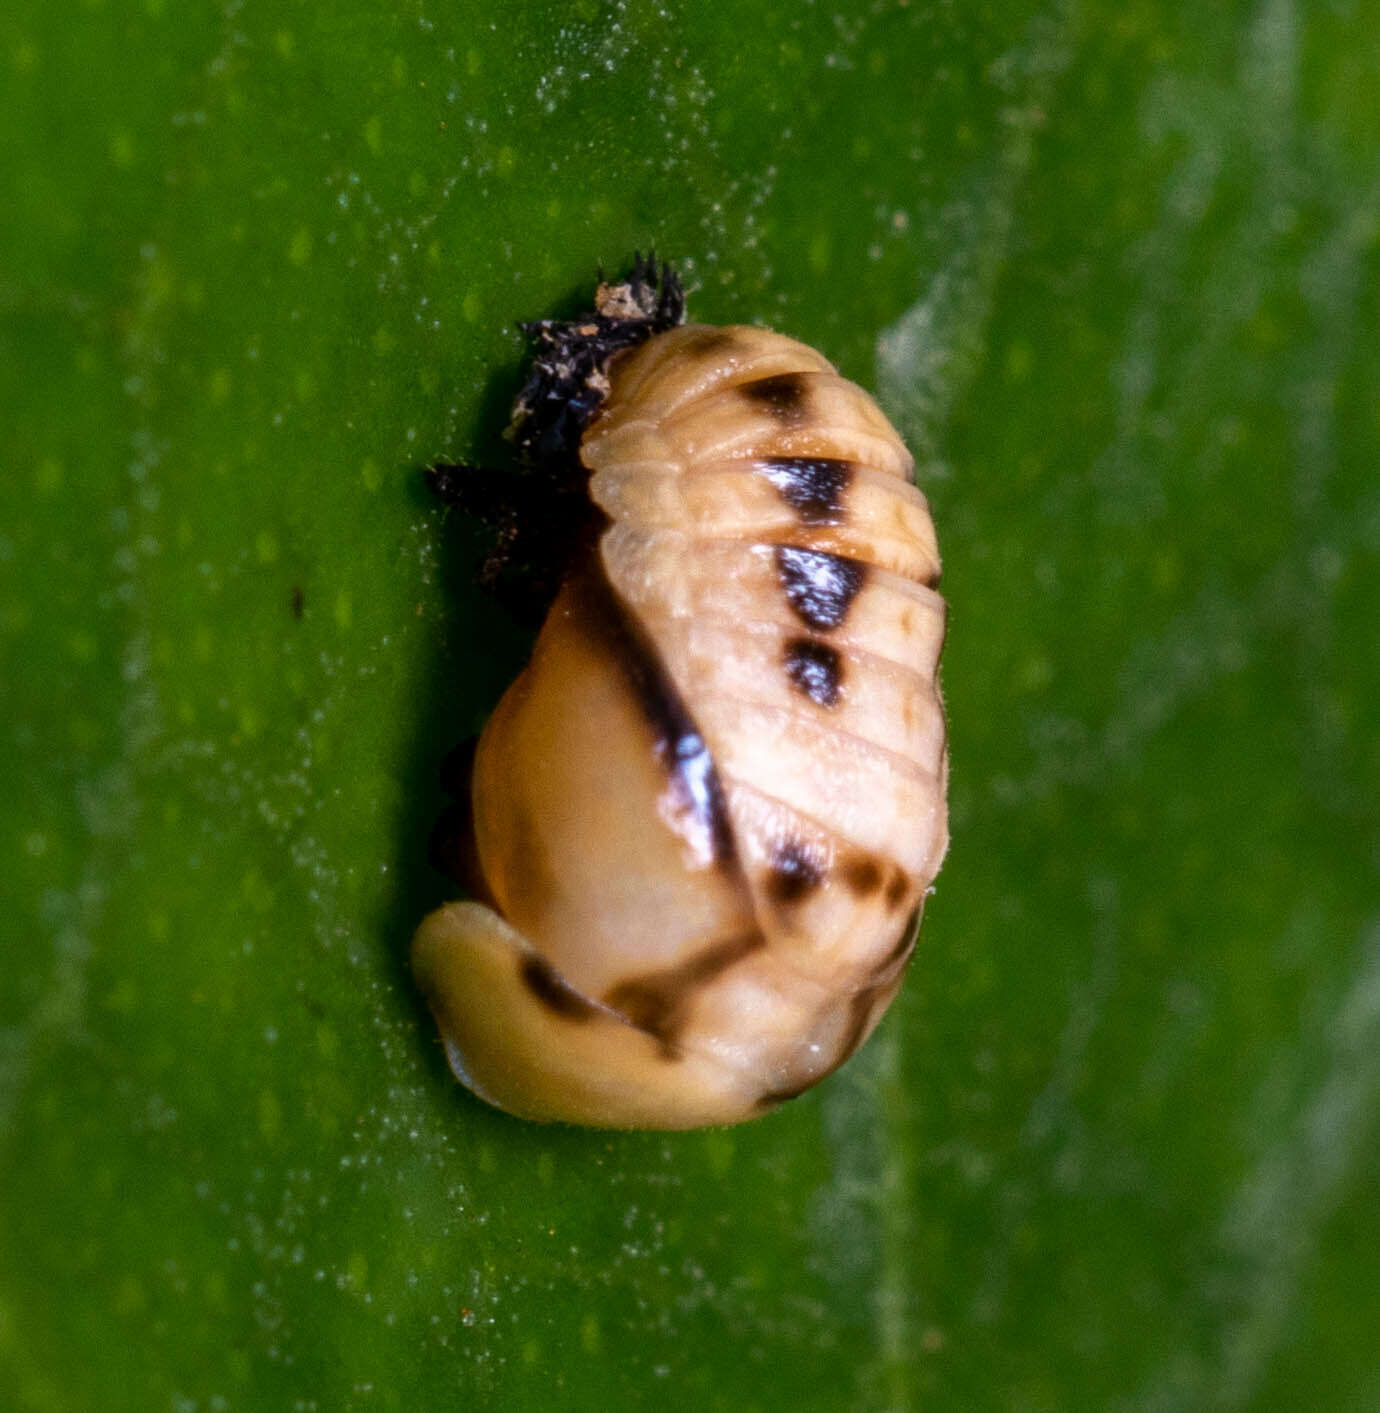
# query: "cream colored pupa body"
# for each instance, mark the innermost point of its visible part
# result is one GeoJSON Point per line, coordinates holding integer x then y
{"type": "Point", "coordinates": [703, 820]}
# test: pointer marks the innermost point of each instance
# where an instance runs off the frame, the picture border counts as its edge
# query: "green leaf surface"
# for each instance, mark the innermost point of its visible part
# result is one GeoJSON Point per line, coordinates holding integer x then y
{"type": "Point", "coordinates": [1115, 271]}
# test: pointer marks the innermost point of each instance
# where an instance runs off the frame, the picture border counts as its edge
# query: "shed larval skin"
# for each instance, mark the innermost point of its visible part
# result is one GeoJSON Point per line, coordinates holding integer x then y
{"type": "Point", "coordinates": [707, 813]}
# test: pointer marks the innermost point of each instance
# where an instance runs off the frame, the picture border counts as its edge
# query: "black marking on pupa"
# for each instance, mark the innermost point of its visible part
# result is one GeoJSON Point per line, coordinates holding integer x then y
{"type": "Point", "coordinates": [660, 1002]}
{"type": "Point", "coordinates": [554, 992]}
{"type": "Point", "coordinates": [795, 873]}
{"type": "Point", "coordinates": [815, 670]}
{"type": "Point", "coordinates": [821, 587]}
{"type": "Point", "coordinates": [701, 810]}
{"type": "Point", "coordinates": [813, 486]}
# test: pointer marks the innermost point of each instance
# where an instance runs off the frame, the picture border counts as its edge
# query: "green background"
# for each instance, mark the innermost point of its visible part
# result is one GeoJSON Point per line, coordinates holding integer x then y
{"type": "Point", "coordinates": [1114, 268]}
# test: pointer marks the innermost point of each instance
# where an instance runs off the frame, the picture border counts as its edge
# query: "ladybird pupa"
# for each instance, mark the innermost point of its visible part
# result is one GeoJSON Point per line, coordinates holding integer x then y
{"type": "Point", "coordinates": [701, 823]}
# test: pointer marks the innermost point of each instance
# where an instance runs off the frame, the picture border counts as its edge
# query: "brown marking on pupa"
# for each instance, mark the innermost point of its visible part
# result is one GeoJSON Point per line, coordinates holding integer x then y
{"type": "Point", "coordinates": [815, 669]}
{"type": "Point", "coordinates": [659, 1002]}
{"type": "Point", "coordinates": [707, 341]}
{"type": "Point", "coordinates": [784, 396]}
{"type": "Point", "coordinates": [821, 587]}
{"type": "Point", "coordinates": [554, 992]}
{"type": "Point", "coordinates": [813, 486]}
{"type": "Point", "coordinates": [862, 874]}
{"type": "Point", "coordinates": [897, 888]}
